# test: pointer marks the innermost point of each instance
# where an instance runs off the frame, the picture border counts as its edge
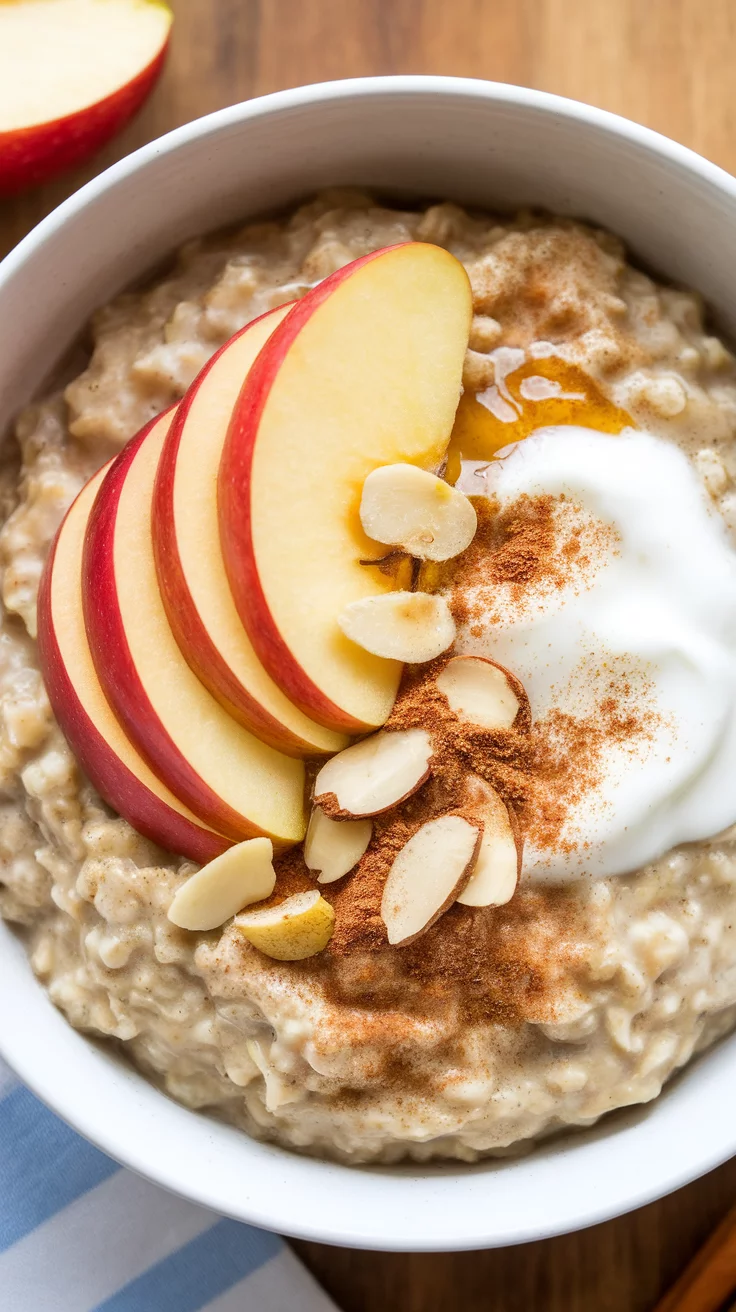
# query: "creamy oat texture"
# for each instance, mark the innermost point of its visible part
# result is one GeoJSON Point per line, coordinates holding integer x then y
{"type": "Point", "coordinates": [602, 991]}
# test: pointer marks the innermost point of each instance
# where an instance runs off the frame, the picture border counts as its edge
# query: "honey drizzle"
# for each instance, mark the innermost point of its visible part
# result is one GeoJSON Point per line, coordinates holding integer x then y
{"type": "Point", "coordinates": [509, 410]}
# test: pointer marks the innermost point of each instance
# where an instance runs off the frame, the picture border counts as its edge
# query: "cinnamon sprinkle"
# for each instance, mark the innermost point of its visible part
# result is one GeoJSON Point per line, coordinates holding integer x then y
{"type": "Point", "coordinates": [497, 963]}
{"type": "Point", "coordinates": [529, 549]}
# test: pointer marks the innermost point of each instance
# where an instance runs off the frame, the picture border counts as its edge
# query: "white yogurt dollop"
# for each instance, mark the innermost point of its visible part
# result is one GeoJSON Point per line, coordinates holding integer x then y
{"type": "Point", "coordinates": [652, 609]}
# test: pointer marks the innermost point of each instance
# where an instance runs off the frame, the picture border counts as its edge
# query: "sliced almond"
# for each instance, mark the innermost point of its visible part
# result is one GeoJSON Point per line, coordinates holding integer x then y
{"type": "Point", "coordinates": [427, 875]}
{"type": "Point", "coordinates": [242, 875]}
{"type": "Point", "coordinates": [402, 626]}
{"type": "Point", "coordinates": [498, 868]}
{"type": "Point", "coordinates": [377, 773]}
{"type": "Point", "coordinates": [482, 692]}
{"type": "Point", "coordinates": [407, 507]}
{"type": "Point", "coordinates": [334, 847]}
{"type": "Point", "coordinates": [297, 928]}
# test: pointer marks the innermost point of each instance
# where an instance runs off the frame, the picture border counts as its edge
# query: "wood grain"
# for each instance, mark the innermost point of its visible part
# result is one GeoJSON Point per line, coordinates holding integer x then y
{"type": "Point", "coordinates": [708, 1284]}
{"type": "Point", "coordinates": [667, 63]}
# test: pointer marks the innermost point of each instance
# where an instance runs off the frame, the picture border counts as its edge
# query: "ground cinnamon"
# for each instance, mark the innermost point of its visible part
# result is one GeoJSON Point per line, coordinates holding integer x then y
{"type": "Point", "coordinates": [528, 549]}
{"type": "Point", "coordinates": [498, 961]}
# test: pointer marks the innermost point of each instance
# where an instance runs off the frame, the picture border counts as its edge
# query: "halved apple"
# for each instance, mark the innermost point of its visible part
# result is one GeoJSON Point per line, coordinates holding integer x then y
{"type": "Point", "coordinates": [191, 572]}
{"type": "Point", "coordinates": [103, 750]}
{"type": "Point", "coordinates": [364, 371]}
{"type": "Point", "coordinates": [72, 72]}
{"type": "Point", "coordinates": [229, 778]}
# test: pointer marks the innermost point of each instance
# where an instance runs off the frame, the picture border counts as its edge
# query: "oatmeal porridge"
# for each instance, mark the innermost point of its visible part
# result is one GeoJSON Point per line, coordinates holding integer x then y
{"type": "Point", "coordinates": [595, 438]}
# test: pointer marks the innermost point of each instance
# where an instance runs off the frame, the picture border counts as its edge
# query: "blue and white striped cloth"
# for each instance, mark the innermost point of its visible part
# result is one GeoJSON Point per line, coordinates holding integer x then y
{"type": "Point", "coordinates": [80, 1234]}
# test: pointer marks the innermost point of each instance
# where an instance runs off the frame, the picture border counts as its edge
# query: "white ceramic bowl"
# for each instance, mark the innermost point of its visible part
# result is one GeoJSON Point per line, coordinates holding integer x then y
{"type": "Point", "coordinates": [487, 144]}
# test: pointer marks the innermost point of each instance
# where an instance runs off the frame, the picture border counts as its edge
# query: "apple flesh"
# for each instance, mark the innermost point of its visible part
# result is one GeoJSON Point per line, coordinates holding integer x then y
{"type": "Point", "coordinates": [233, 781]}
{"type": "Point", "coordinates": [364, 371]}
{"type": "Point", "coordinates": [191, 572]}
{"type": "Point", "coordinates": [106, 754]}
{"type": "Point", "coordinates": [72, 72]}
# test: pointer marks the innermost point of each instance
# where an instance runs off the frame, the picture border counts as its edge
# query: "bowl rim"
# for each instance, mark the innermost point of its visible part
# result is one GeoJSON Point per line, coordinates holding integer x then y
{"type": "Point", "coordinates": [17, 1046]}
{"type": "Point", "coordinates": [403, 84]}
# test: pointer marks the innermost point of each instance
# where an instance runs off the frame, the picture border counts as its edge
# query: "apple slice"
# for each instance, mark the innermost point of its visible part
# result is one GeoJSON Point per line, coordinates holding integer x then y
{"type": "Point", "coordinates": [412, 627]}
{"type": "Point", "coordinates": [297, 928]}
{"type": "Point", "coordinates": [376, 774]}
{"type": "Point", "coordinates": [191, 574]}
{"type": "Point", "coordinates": [242, 875]}
{"type": "Point", "coordinates": [498, 868]}
{"type": "Point", "coordinates": [427, 876]}
{"type": "Point", "coordinates": [483, 693]}
{"type": "Point", "coordinates": [364, 371]}
{"type": "Point", "coordinates": [72, 72]}
{"type": "Point", "coordinates": [408, 507]}
{"type": "Point", "coordinates": [334, 847]}
{"type": "Point", "coordinates": [232, 780]}
{"type": "Point", "coordinates": [104, 751]}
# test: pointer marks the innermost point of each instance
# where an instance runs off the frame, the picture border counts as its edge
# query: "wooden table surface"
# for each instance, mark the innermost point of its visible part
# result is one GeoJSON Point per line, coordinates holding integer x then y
{"type": "Point", "coordinates": [667, 63]}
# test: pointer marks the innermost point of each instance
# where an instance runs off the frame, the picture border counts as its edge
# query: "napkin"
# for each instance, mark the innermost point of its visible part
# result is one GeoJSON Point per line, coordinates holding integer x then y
{"type": "Point", "coordinates": [78, 1233]}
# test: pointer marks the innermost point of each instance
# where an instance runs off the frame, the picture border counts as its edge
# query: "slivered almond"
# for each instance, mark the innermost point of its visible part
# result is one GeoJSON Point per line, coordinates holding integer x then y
{"type": "Point", "coordinates": [242, 875]}
{"type": "Point", "coordinates": [407, 507]}
{"type": "Point", "coordinates": [427, 875]}
{"type": "Point", "coordinates": [498, 868]}
{"type": "Point", "coordinates": [375, 774]}
{"type": "Point", "coordinates": [482, 692]}
{"type": "Point", "coordinates": [334, 847]}
{"type": "Point", "coordinates": [403, 626]}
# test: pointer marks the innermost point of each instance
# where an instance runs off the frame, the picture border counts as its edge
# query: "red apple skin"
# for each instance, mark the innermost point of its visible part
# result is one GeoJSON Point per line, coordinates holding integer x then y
{"type": "Point", "coordinates": [120, 788]}
{"type": "Point", "coordinates": [234, 490]}
{"type": "Point", "coordinates": [30, 156]}
{"type": "Point", "coordinates": [116, 668]}
{"type": "Point", "coordinates": [191, 635]}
